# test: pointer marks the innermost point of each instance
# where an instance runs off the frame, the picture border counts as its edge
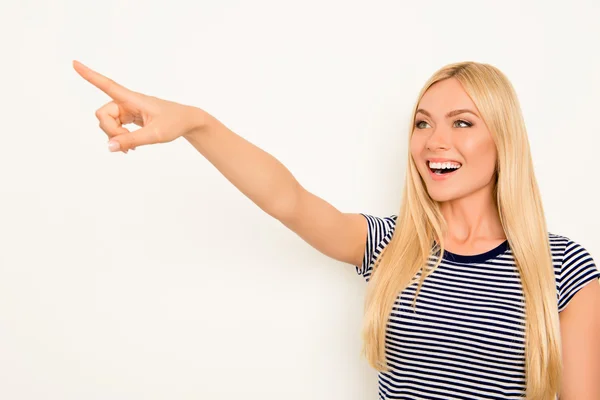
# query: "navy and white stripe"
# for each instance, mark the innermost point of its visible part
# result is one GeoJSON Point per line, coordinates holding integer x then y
{"type": "Point", "coordinates": [380, 232]}
{"type": "Point", "coordinates": [466, 338]}
{"type": "Point", "coordinates": [577, 269]}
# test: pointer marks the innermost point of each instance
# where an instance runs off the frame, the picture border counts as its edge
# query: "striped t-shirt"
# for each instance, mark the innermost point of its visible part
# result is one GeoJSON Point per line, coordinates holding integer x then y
{"type": "Point", "coordinates": [466, 338]}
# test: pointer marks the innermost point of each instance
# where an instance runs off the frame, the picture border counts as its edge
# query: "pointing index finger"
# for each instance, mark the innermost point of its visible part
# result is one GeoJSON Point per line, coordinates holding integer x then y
{"type": "Point", "coordinates": [108, 86]}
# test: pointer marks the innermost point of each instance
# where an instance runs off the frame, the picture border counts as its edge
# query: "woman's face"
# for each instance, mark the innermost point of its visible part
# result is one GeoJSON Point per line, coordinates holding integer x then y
{"type": "Point", "coordinates": [448, 129]}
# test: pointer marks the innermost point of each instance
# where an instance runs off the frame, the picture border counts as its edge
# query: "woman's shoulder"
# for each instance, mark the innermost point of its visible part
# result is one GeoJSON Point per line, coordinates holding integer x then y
{"type": "Point", "coordinates": [380, 224]}
{"type": "Point", "coordinates": [559, 242]}
{"type": "Point", "coordinates": [564, 249]}
{"type": "Point", "coordinates": [574, 267]}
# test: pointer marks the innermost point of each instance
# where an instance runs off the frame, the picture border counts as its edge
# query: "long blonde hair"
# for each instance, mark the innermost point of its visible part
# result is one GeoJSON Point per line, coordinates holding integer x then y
{"type": "Point", "coordinates": [517, 196]}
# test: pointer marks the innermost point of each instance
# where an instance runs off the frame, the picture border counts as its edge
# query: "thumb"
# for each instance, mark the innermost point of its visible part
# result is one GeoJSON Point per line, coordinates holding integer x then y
{"type": "Point", "coordinates": [130, 140]}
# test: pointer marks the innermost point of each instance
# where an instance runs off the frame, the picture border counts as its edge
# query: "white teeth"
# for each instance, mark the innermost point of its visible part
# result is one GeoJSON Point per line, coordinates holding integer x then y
{"type": "Point", "coordinates": [445, 165]}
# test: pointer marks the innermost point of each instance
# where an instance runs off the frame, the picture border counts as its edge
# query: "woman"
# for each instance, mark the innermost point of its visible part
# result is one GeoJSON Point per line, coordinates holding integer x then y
{"type": "Point", "coordinates": [469, 299]}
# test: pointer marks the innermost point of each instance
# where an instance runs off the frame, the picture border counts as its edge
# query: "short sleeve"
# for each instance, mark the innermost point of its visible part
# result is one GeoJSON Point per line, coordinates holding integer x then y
{"type": "Point", "coordinates": [379, 234]}
{"type": "Point", "coordinates": [577, 269]}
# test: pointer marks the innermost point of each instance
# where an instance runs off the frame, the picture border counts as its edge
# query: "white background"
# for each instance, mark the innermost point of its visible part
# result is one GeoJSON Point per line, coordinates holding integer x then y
{"type": "Point", "coordinates": [148, 275]}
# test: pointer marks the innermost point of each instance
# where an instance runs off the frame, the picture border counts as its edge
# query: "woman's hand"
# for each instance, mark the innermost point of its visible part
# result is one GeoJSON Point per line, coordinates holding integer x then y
{"type": "Point", "coordinates": [161, 121]}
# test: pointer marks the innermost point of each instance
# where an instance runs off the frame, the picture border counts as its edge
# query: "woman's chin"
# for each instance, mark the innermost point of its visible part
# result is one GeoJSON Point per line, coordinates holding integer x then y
{"type": "Point", "coordinates": [443, 194]}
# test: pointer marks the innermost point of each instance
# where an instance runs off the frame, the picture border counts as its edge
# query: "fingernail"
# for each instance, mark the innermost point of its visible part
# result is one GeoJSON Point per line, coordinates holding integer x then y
{"type": "Point", "coordinates": [113, 146]}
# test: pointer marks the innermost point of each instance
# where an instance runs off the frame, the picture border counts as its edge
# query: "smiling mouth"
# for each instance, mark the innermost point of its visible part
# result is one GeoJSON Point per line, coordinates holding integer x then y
{"type": "Point", "coordinates": [442, 171]}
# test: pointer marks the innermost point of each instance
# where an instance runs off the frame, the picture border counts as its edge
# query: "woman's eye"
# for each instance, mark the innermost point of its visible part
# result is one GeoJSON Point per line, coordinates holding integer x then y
{"type": "Point", "coordinates": [468, 124]}
{"type": "Point", "coordinates": [418, 123]}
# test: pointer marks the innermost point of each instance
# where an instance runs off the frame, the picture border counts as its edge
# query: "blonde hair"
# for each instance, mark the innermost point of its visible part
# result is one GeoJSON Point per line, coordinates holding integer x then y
{"type": "Point", "coordinates": [516, 192]}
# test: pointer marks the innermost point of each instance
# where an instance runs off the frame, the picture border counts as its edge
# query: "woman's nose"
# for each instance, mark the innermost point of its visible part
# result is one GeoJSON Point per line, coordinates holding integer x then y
{"type": "Point", "coordinates": [439, 139]}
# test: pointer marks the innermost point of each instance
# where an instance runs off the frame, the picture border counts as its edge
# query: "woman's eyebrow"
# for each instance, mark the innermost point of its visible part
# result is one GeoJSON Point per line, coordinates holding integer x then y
{"type": "Point", "coordinates": [451, 113]}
